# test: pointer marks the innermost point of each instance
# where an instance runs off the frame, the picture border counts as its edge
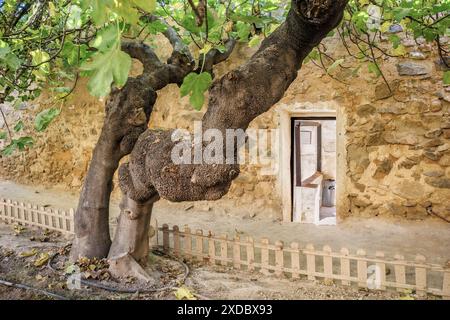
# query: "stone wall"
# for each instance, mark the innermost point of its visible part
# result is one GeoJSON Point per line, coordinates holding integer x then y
{"type": "Point", "coordinates": [397, 147]}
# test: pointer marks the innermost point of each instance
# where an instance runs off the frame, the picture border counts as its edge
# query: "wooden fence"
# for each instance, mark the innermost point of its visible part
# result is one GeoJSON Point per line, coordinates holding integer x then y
{"type": "Point", "coordinates": [293, 260]}
{"type": "Point", "coordinates": [37, 216]}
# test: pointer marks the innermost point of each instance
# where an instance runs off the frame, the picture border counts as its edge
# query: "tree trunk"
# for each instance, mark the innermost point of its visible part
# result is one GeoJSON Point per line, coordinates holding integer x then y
{"type": "Point", "coordinates": [129, 250]}
{"type": "Point", "coordinates": [234, 101]}
{"type": "Point", "coordinates": [127, 114]}
{"type": "Point", "coordinates": [91, 218]}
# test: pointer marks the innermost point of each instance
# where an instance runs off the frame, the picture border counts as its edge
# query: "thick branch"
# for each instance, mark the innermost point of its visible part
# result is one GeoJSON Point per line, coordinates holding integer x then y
{"type": "Point", "coordinates": [158, 74]}
{"type": "Point", "coordinates": [127, 114]}
{"type": "Point", "coordinates": [234, 101]}
{"type": "Point", "coordinates": [144, 54]}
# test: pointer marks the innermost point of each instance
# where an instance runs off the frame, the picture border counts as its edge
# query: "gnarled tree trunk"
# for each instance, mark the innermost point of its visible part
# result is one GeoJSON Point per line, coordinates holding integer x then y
{"type": "Point", "coordinates": [127, 114]}
{"type": "Point", "coordinates": [234, 101]}
{"type": "Point", "coordinates": [131, 241]}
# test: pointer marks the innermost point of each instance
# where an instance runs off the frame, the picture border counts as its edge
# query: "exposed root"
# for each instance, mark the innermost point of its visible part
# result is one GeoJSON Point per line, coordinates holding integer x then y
{"type": "Point", "coordinates": [172, 286]}
{"type": "Point", "coordinates": [126, 266]}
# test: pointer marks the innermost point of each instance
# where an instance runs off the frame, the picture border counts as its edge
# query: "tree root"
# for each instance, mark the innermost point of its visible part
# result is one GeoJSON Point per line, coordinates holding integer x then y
{"type": "Point", "coordinates": [126, 266]}
{"type": "Point", "coordinates": [96, 284]}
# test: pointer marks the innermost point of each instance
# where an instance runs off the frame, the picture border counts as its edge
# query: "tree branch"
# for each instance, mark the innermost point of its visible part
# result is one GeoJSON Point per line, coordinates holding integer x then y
{"type": "Point", "coordinates": [214, 56]}
{"type": "Point", "coordinates": [179, 48]}
{"type": "Point", "coordinates": [143, 53]}
{"type": "Point", "coordinates": [234, 101]}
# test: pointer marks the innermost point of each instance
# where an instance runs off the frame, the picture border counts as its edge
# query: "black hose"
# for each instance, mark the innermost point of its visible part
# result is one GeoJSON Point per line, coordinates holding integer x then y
{"type": "Point", "coordinates": [27, 287]}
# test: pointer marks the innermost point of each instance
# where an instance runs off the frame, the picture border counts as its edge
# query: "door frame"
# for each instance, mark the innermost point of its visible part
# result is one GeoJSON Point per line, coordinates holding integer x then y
{"type": "Point", "coordinates": [285, 177]}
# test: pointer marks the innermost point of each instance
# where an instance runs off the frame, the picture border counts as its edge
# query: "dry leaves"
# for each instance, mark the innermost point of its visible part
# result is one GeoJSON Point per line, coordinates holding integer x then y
{"type": "Point", "coordinates": [42, 259]}
{"type": "Point", "coordinates": [183, 293]}
{"type": "Point", "coordinates": [18, 229]}
{"type": "Point", "coordinates": [91, 268]}
{"type": "Point", "coordinates": [29, 253]}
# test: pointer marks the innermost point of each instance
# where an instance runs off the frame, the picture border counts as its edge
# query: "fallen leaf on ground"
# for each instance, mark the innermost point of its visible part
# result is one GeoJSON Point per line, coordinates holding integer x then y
{"type": "Point", "coordinates": [184, 293]}
{"type": "Point", "coordinates": [41, 260]}
{"type": "Point", "coordinates": [28, 253]}
{"type": "Point", "coordinates": [407, 295]}
{"type": "Point", "coordinates": [71, 269]}
{"type": "Point", "coordinates": [18, 229]}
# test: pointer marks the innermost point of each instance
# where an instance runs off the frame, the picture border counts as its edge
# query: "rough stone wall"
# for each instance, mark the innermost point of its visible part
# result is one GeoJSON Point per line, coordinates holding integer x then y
{"type": "Point", "coordinates": [398, 157]}
{"type": "Point", "coordinates": [397, 146]}
{"type": "Point", "coordinates": [61, 154]}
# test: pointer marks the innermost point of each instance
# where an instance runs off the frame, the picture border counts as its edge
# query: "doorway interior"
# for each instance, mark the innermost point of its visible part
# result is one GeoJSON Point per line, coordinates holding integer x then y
{"type": "Point", "coordinates": [313, 167]}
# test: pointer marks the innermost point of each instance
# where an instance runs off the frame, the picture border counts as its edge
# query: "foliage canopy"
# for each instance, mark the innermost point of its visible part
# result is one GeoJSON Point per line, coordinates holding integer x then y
{"type": "Point", "coordinates": [49, 44]}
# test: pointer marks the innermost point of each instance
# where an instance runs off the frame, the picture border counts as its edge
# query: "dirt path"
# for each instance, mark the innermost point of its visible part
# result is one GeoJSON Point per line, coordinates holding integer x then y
{"type": "Point", "coordinates": [430, 238]}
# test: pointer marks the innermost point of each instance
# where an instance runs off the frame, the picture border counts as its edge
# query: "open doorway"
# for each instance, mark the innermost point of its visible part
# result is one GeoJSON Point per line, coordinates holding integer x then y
{"type": "Point", "coordinates": [314, 170]}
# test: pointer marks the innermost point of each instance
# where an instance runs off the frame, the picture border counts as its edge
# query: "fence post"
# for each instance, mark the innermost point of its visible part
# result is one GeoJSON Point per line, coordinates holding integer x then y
{"type": "Point", "coordinates": [421, 276]}
{"type": "Point", "coordinates": [55, 219]}
{"type": "Point", "coordinates": [72, 220]}
{"type": "Point", "coordinates": [176, 240]}
{"type": "Point", "coordinates": [21, 212]}
{"type": "Point", "coordinates": [62, 224]}
{"type": "Point", "coordinates": [58, 222]}
{"type": "Point", "coordinates": [381, 266]}
{"type": "Point", "coordinates": [65, 226]}
{"type": "Point", "coordinates": [264, 256]}
{"type": "Point", "coordinates": [15, 211]}
{"type": "Point", "coordinates": [37, 215]}
{"type": "Point", "coordinates": [8, 210]}
{"type": "Point", "coordinates": [165, 231]}
{"type": "Point", "coordinates": [42, 216]}
{"type": "Point", "coordinates": [52, 219]}
{"type": "Point", "coordinates": [446, 285]}
{"type": "Point", "coordinates": [295, 260]}
{"type": "Point", "coordinates": [400, 274]}
{"type": "Point", "coordinates": [199, 245]}
{"type": "Point", "coordinates": [211, 248]}
{"type": "Point", "coordinates": [237, 252]}
{"type": "Point", "coordinates": [31, 214]}
{"type": "Point", "coordinates": [224, 249]}
{"type": "Point", "coordinates": [187, 242]}
{"type": "Point", "coordinates": [24, 212]}
{"type": "Point", "coordinates": [2, 208]}
{"type": "Point", "coordinates": [327, 263]}
{"type": "Point", "coordinates": [362, 268]}
{"type": "Point", "coordinates": [310, 262]}
{"type": "Point", "coordinates": [250, 253]}
{"type": "Point", "coordinates": [345, 266]}
{"type": "Point", "coordinates": [279, 258]}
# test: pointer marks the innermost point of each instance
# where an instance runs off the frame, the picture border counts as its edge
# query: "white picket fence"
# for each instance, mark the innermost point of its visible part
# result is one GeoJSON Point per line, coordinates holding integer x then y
{"type": "Point", "coordinates": [277, 259]}
{"type": "Point", "coordinates": [37, 216]}
{"type": "Point", "coordinates": [293, 260]}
